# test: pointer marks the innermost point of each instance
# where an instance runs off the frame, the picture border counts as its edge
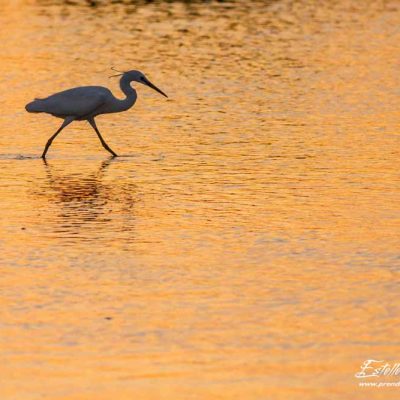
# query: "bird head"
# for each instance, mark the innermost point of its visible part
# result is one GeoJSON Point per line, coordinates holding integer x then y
{"type": "Point", "coordinates": [138, 76]}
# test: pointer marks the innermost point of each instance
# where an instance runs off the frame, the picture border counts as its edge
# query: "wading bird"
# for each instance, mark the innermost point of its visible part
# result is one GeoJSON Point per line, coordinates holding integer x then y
{"type": "Point", "coordinates": [86, 102]}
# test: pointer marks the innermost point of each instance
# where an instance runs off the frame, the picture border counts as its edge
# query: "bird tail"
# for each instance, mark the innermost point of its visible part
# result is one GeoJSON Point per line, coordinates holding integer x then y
{"type": "Point", "coordinates": [35, 106]}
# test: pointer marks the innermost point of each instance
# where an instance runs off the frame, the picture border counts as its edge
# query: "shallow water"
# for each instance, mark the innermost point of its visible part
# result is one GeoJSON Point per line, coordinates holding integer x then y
{"type": "Point", "coordinates": [246, 243]}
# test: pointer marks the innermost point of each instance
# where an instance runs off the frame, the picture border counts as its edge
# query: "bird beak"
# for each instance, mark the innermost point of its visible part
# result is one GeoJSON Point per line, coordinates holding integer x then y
{"type": "Point", "coordinates": [148, 83]}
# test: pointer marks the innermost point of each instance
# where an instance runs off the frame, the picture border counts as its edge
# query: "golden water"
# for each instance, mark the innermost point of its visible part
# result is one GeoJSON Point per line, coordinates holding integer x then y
{"type": "Point", "coordinates": [245, 245]}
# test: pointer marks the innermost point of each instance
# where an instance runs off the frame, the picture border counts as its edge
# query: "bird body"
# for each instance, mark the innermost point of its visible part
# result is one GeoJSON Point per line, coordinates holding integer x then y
{"type": "Point", "coordinates": [87, 102]}
{"type": "Point", "coordinates": [78, 102]}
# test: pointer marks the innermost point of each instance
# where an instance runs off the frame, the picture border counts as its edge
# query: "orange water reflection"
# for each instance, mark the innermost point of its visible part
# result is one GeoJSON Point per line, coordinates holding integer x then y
{"type": "Point", "coordinates": [246, 243]}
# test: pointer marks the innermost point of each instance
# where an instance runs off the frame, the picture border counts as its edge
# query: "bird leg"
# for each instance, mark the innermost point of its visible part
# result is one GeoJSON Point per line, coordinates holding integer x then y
{"type": "Point", "coordinates": [105, 145]}
{"type": "Point", "coordinates": [66, 122]}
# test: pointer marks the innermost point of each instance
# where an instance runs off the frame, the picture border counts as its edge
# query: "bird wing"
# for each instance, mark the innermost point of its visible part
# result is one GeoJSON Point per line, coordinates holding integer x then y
{"type": "Point", "coordinates": [76, 102]}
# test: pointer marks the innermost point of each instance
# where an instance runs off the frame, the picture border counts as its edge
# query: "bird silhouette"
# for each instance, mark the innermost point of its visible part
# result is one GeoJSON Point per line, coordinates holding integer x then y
{"type": "Point", "coordinates": [86, 102]}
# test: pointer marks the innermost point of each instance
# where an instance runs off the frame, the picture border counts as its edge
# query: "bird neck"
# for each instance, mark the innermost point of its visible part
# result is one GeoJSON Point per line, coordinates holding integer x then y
{"type": "Point", "coordinates": [128, 90]}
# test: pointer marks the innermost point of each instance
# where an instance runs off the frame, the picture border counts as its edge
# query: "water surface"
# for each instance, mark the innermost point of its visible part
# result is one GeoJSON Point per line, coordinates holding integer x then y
{"type": "Point", "coordinates": [245, 245]}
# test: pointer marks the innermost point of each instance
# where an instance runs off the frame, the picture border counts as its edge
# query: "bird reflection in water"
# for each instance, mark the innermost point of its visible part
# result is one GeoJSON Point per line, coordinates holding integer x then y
{"type": "Point", "coordinates": [81, 204]}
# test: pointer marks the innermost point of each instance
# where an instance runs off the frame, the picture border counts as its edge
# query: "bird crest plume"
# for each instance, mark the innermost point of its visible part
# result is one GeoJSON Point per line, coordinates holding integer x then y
{"type": "Point", "coordinates": [116, 70]}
